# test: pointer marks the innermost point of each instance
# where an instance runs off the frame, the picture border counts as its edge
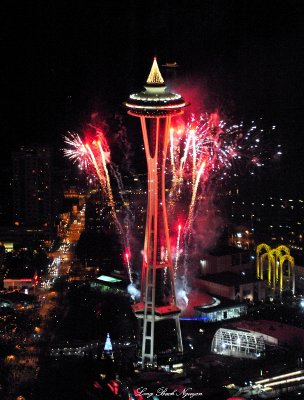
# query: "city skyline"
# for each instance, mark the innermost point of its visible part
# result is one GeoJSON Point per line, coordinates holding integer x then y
{"type": "Point", "coordinates": [151, 224]}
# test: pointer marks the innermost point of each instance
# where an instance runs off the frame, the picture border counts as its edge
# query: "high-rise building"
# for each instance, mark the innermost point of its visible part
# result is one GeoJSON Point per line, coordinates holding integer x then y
{"type": "Point", "coordinates": [32, 186]}
{"type": "Point", "coordinates": [155, 107]}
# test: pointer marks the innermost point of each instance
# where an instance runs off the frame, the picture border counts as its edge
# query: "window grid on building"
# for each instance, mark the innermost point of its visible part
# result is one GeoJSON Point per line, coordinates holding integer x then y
{"type": "Point", "coordinates": [237, 343]}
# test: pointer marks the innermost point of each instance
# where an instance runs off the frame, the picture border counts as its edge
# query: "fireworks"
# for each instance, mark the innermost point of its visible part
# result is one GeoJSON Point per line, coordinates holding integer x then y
{"type": "Point", "coordinates": [127, 256]}
{"type": "Point", "coordinates": [92, 154]}
{"type": "Point", "coordinates": [204, 150]}
{"type": "Point", "coordinates": [177, 248]}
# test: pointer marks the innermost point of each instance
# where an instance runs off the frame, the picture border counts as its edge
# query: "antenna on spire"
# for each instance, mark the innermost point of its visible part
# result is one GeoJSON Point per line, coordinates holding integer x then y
{"type": "Point", "coordinates": [155, 77]}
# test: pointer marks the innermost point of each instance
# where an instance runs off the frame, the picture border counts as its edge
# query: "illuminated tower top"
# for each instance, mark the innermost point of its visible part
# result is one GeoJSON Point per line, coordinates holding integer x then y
{"type": "Point", "coordinates": [155, 77]}
{"type": "Point", "coordinates": [155, 100]}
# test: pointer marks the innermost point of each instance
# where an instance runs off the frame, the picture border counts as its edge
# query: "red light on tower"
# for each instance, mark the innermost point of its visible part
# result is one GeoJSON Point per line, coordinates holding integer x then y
{"type": "Point", "coordinates": [155, 108]}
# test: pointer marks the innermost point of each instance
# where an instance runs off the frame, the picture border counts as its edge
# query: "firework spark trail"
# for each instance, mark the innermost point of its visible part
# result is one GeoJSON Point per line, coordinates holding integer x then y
{"type": "Point", "coordinates": [109, 189]}
{"type": "Point", "coordinates": [117, 176]}
{"type": "Point", "coordinates": [177, 177]}
{"type": "Point", "coordinates": [127, 255]}
{"type": "Point", "coordinates": [97, 169]}
{"type": "Point", "coordinates": [105, 182]}
{"type": "Point", "coordinates": [177, 249]}
{"type": "Point", "coordinates": [173, 195]}
{"type": "Point", "coordinates": [185, 155]}
{"type": "Point", "coordinates": [121, 190]}
{"type": "Point", "coordinates": [107, 178]}
{"type": "Point", "coordinates": [193, 197]}
{"type": "Point", "coordinates": [129, 216]}
{"type": "Point", "coordinates": [194, 159]}
{"type": "Point", "coordinates": [172, 152]}
{"type": "Point", "coordinates": [94, 157]}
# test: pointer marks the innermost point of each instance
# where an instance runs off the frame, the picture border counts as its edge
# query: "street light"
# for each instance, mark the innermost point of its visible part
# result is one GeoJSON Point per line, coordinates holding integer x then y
{"type": "Point", "coordinates": [251, 218]}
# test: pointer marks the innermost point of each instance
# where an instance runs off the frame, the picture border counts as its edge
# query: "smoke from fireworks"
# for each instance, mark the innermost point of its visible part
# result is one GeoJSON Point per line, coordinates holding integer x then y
{"type": "Point", "coordinates": [204, 151]}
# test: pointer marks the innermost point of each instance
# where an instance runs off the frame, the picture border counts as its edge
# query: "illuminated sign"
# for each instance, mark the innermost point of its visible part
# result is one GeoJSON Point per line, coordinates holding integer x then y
{"type": "Point", "coordinates": [106, 278]}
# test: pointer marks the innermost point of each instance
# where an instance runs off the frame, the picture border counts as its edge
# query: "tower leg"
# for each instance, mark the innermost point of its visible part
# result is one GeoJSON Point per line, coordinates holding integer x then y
{"type": "Point", "coordinates": [179, 335]}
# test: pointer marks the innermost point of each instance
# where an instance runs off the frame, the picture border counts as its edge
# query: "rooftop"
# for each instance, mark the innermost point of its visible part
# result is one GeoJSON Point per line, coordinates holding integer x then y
{"type": "Point", "coordinates": [230, 278]}
{"type": "Point", "coordinates": [139, 308]}
{"type": "Point", "coordinates": [204, 302]}
{"type": "Point", "coordinates": [283, 332]}
{"type": "Point", "coordinates": [20, 274]}
{"type": "Point", "coordinates": [224, 250]}
{"type": "Point", "coordinates": [16, 297]}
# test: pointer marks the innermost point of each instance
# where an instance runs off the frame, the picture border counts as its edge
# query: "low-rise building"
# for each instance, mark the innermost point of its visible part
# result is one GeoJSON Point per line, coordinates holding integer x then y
{"type": "Point", "coordinates": [17, 284]}
{"type": "Point", "coordinates": [206, 308]}
{"type": "Point", "coordinates": [222, 310]}
{"type": "Point", "coordinates": [225, 259]}
{"type": "Point", "coordinates": [244, 286]}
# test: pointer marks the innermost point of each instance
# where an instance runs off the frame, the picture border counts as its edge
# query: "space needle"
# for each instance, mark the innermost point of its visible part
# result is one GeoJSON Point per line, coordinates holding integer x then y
{"type": "Point", "coordinates": [155, 107]}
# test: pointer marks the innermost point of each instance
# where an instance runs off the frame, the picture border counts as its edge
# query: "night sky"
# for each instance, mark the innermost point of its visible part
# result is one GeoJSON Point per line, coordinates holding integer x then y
{"type": "Point", "coordinates": [63, 61]}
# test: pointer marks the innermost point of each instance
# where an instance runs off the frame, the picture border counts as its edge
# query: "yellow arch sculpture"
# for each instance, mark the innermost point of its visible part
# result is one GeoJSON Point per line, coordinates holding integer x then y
{"type": "Point", "coordinates": [276, 258]}
{"type": "Point", "coordinates": [290, 259]}
{"type": "Point", "coordinates": [276, 253]}
{"type": "Point", "coordinates": [270, 266]}
{"type": "Point", "coordinates": [282, 247]}
{"type": "Point", "coordinates": [260, 247]}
